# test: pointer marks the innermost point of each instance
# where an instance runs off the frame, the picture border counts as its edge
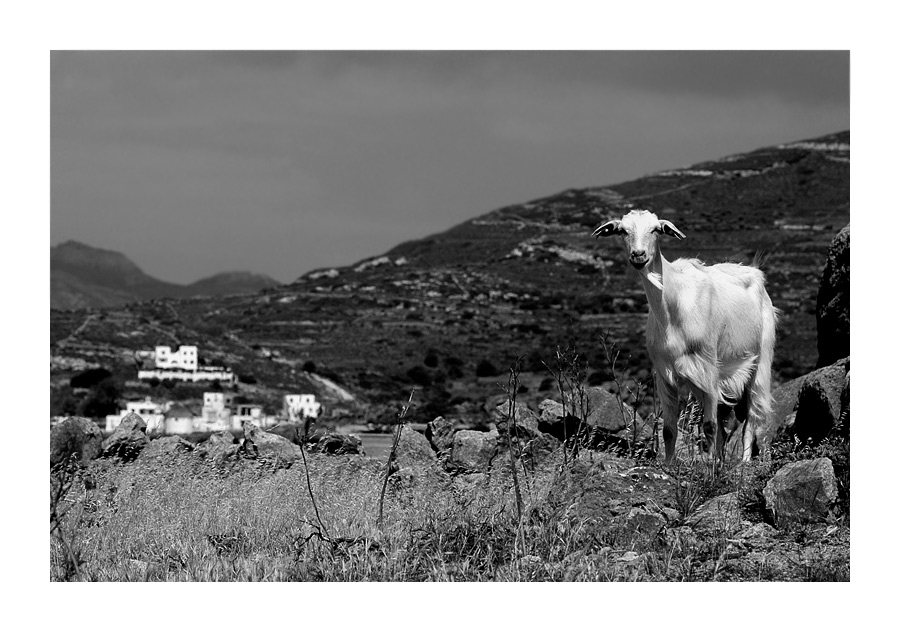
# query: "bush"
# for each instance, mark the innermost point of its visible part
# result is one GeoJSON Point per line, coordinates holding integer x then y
{"type": "Point", "coordinates": [486, 369]}
{"type": "Point", "coordinates": [431, 358]}
{"type": "Point", "coordinates": [102, 400]}
{"type": "Point", "coordinates": [89, 378]}
{"type": "Point", "coordinates": [419, 375]}
{"type": "Point", "coordinates": [309, 366]}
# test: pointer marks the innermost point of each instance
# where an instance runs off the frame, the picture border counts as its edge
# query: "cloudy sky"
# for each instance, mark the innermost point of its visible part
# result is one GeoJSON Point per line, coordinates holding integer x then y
{"type": "Point", "coordinates": [193, 163]}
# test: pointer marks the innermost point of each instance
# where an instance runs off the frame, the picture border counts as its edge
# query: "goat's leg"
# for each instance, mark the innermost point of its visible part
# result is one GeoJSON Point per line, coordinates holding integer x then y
{"type": "Point", "coordinates": [668, 396]}
{"type": "Point", "coordinates": [714, 427]}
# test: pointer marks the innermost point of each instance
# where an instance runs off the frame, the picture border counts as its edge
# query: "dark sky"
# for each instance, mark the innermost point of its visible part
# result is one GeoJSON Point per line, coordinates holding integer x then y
{"type": "Point", "coordinates": [193, 163]}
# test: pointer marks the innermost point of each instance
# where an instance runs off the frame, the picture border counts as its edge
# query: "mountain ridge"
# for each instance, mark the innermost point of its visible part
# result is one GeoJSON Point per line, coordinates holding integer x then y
{"type": "Point", "coordinates": [83, 276]}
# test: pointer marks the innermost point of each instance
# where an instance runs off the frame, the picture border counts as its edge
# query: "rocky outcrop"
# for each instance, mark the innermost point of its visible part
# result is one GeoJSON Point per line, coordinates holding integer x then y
{"type": "Point", "coordinates": [803, 491]}
{"type": "Point", "coordinates": [75, 435]}
{"type": "Point", "coordinates": [330, 442]}
{"type": "Point", "coordinates": [128, 439]}
{"type": "Point", "coordinates": [165, 446]}
{"type": "Point", "coordinates": [599, 492]}
{"type": "Point", "coordinates": [810, 406]}
{"type": "Point", "coordinates": [413, 450]}
{"type": "Point", "coordinates": [833, 302]}
{"type": "Point", "coordinates": [532, 444]}
{"type": "Point", "coordinates": [721, 514]}
{"type": "Point", "coordinates": [219, 448]}
{"type": "Point", "coordinates": [266, 445]}
{"type": "Point", "coordinates": [607, 423]}
{"type": "Point", "coordinates": [473, 450]}
{"type": "Point", "coordinates": [439, 433]}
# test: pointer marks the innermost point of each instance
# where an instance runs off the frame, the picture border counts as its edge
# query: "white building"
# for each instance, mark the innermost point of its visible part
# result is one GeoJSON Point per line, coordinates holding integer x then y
{"type": "Point", "coordinates": [185, 358]}
{"type": "Point", "coordinates": [298, 407]}
{"type": "Point", "coordinates": [224, 376]}
{"type": "Point", "coordinates": [179, 420]}
{"type": "Point", "coordinates": [151, 412]}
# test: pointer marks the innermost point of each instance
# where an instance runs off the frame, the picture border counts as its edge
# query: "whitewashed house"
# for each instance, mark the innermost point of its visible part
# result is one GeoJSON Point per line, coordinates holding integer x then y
{"type": "Point", "coordinates": [179, 420]}
{"type": "Point", "coordinates": [151, 412]}
{"type": "Point", "coordinates": [185, 358]}
{"type": "Point", "coordinates": [300, 407]}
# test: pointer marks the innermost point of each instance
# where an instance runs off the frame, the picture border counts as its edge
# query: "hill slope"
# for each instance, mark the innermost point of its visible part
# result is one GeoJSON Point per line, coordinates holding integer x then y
{"type": "Point", "coordinates": [82, 276]}
{"type": "Point", "coordinates": [440, 312]}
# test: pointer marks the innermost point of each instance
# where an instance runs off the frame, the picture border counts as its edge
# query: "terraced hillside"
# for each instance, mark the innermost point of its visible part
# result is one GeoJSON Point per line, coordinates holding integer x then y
{"type": "Point", "coordinates": [447, 313]}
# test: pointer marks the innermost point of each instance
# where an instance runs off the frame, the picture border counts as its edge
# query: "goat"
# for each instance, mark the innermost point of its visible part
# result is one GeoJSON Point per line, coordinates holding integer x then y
{"type": "Point", "coordinates": [710, 329]}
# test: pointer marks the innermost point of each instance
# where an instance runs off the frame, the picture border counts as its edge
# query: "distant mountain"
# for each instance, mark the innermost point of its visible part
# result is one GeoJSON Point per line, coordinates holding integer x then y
{"type": "Point", "coordinates": [231, 283]}
{"type": "Point", "coordinates": [447, 314]}
{"type": "Point", "coordinates": [82, 276]}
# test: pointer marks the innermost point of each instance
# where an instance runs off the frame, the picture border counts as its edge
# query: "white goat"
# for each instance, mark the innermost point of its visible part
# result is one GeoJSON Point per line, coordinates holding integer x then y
{"type": "Point", "coordinates": [710, 328]}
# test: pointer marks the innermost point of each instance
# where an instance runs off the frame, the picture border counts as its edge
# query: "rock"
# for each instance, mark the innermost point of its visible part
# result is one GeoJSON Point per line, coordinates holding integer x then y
{"type": "Point", "coordinates": [268, 445]}
{"type": "Point", "coordinates": [758, 532]}
{"type": "Point", "coordinates": [166, 445]}
{"type": "Point", "coordinates": [819, 402]}
{"type": "Point", "coordinates": [815, 399]}
{"type": "Point", "coordinates": [802, 491]}
{"type": "Point", "coordinates": [473, 450]}
{"type": "Point", "coordinates": [439, 434]}
{"type": "Point", "coordinates": [556, 421]}
{"type": "Point", "coordinates": [330, 442]}
{"type": "Point", "coordinates": [720, 515]}
{"type": "Point", "coordinates": [833, 302]}
{"type": "Point", "coordinates": [413, 450]}
{"type": "Point", "coordinates": [75, 435]}
{"type": "Point", "coordinates": [643, 521]}
{"type": "Point", "coordinates": [220, 448]}
{"type": "Point", "coordinates": [290, 431]}
{"type": "Point", "coordinates": [600, 494]}
{"type": "Point", "coordinates": [534, 445]}
{"type": "Point", "coordinates": [128, 440]}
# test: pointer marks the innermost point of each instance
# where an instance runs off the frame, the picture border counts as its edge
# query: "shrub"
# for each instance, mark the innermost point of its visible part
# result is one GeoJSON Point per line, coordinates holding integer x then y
{"type": "Point", "coordinates": [486, 369]}
{"type": "Point", "coordinates": [419, 375]}
{"type": "Point", "coordinates": [89, 378]}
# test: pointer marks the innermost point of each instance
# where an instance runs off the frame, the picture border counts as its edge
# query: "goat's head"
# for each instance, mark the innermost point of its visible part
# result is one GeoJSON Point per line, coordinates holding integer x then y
{"type": "Point", "coordinates": [640, 229]}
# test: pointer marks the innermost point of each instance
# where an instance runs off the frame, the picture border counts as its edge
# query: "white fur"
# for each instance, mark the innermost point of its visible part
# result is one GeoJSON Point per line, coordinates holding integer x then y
{"type": "Point", "coordinates": [710, 329]}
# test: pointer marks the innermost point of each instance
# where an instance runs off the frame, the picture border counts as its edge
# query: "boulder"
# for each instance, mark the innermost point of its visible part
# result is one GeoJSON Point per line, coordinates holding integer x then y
{"type": "Point", "coordinates": [802, 491]}
{"type": "Point", "coordinates": [220, 448]}
{"type": "Point", "coordinates": [719, 515]}
{"type": "Point", "coordinates": [556, 421]}
{"type": "Point", "coordinates": [75, 435]}
{"type": "Point", "coordinates": [267, 445]}
{"type": "Point", "coordinates": [439, 433]}
{"type": "Point", "coordinates": [163, 446]}
{"type": "Point", "coordinates": [819, 402]}
{"type": "Point", "coordinates": [473, 450]}
{"type": "Point", "coordinates": [833, 302]}
{"type": "Point", "coordinates": [534, 445]}
{"type": "Point", "coordinates": [816, 400]}
{"type": "Point", "coordinates": [330, 442]}
{"type": "Point", "coordinates": [607, 417]}
{"type": "Point", "coordinates": [599, 494]}
{"type": "Point", "coordinates": [413, 450]}
{"type": "Point", "coordinates": [128, 439]}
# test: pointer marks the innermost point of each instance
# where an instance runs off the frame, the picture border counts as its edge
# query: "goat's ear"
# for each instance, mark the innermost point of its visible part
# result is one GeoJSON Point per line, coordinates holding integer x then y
{"type": "Point", "coordinates": [668, 228]}
{"type": "Point", "coordinates": [612, 227]}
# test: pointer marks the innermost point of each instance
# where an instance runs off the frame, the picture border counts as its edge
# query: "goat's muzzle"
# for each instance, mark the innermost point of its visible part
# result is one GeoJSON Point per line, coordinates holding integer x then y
{"type": "Point", "coordinates": [639, 259]}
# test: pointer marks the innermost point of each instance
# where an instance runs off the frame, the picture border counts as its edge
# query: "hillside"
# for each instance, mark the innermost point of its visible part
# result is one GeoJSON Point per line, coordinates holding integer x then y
{"type": "Point", "coordinates": [82, 276]}
{"type": "Point", "coordinates": [440, 312]}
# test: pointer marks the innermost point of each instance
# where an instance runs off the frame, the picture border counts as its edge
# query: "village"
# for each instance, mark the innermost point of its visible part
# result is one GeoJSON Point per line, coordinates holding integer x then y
{"type": "Point", "coordinates": [219, 411]}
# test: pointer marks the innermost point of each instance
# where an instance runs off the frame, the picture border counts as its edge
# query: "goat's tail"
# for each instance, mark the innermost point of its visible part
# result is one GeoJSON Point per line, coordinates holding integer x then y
{"type": "Point", "coordinates": [760, 404]}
